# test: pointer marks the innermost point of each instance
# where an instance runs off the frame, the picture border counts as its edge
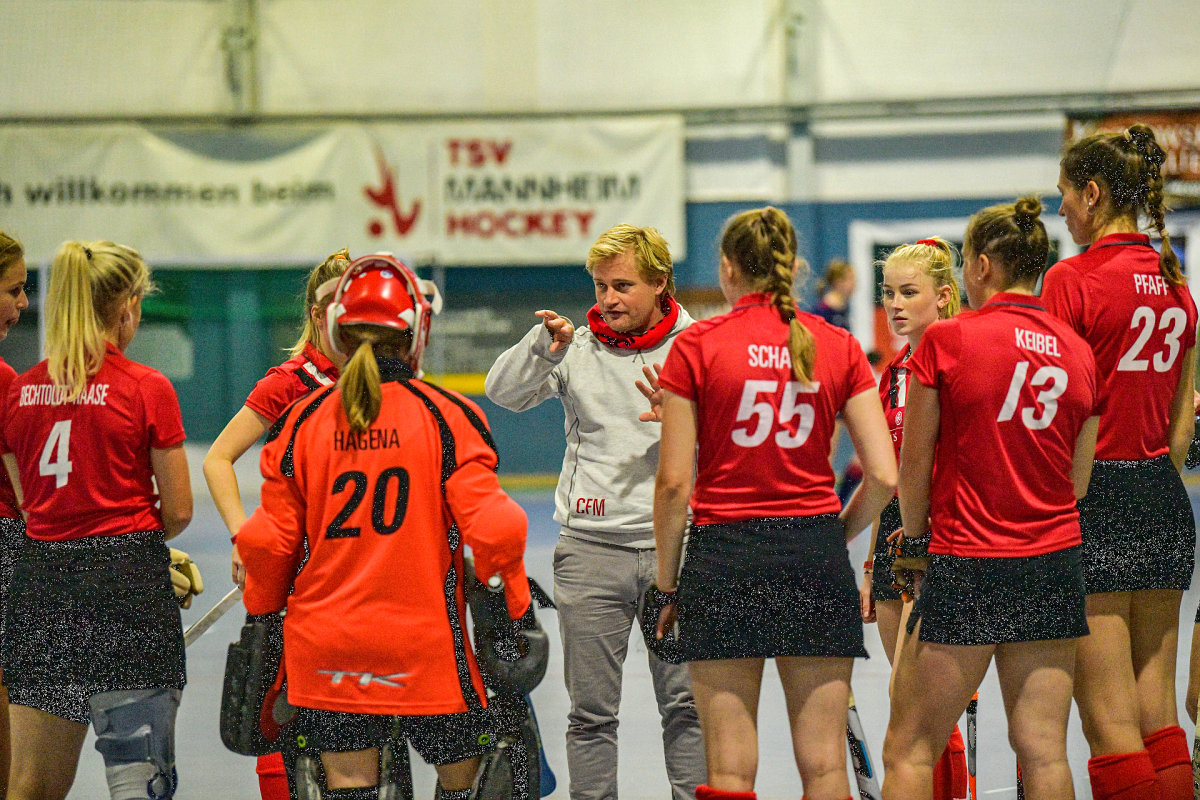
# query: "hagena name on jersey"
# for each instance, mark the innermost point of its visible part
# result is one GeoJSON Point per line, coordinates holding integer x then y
{"type": "Point", "coordinates": [1035, 342]}
{"type": "Point", "coordinates": [770, 356]}
{"type": "Point", "coordinates": [372, 439]}
{"type": "Point", "coordinates": [1150, 284]}
{"type": "Point", "coordinates": [47, 394]}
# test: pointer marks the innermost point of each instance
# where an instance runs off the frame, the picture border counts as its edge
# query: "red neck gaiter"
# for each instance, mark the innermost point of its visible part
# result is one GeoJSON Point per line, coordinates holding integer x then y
{"type": "Point", "coordinates": [635, 341]}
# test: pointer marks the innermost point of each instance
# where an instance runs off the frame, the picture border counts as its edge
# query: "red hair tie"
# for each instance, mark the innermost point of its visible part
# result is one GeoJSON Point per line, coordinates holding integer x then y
{"type": "Point", "coordinates": [930, 242]}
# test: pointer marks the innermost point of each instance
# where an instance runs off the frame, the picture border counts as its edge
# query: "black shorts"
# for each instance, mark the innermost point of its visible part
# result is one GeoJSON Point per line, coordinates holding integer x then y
{"type": "Point", "coordinates": [979, 601]}
{"type": "Point", "coordinates": [883, 578]}
{"type": "Point", "coordinates": [769, 587]}
{"type": "Point", "coordinates": [66, 702]}
{"type": "Point", "coordinates": [439, 739]}
{"type": "Point", "coordinates": [91, 615]}
{"type": "Point", "coordinates": [12, 539]}
{"type": "Point", "coordinates": [1138, 529]}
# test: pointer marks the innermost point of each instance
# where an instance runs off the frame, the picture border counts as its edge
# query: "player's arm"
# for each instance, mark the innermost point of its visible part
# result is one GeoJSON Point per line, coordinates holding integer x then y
{"type": "Point", "coordinates": [1193, 689]}
{"type": "Point", "coordinates": [170, 469]}
{"type": "Point", "coordinates": [246, 428]}
{"type": "Point", "coordinates": [523, 376]}
{"type": "Point", "coordinates": [868, 429]}
{"type": "Point", "coordinates": [866, 600]}
{"type": "Point", "coordinates": [673, 484]}
{"type": "Point", "coordinates": [271, 540]}
{"type": "Point", "coordinates": [14, 475]}
{"type": "Point", "coordinates": [1085, 455]}
{"type": "Point", "coordinates": [922, 418]}
{"type": "Point", "coordinates": [494, 526]}
{"type": "Point", "coordinates": [1183, 418]}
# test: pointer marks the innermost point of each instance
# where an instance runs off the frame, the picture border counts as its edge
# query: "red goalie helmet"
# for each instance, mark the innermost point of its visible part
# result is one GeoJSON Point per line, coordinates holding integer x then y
{"type": "Point", "coordinates": [378, 289]}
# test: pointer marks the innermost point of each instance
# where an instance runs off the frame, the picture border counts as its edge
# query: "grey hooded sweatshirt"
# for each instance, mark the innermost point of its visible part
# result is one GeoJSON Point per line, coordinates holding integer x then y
{"type": "Point", "coordinates": [606, 487]}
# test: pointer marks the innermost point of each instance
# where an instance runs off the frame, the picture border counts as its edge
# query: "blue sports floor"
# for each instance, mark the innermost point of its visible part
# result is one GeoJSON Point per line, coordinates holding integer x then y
{"type": "Point", "coordinates": [207, 771]}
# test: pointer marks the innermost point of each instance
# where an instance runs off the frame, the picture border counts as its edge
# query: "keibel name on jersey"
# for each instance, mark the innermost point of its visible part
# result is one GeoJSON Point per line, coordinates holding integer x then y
{"type": "Point", "coordinates": [48, 394]}
{"type": "Point", "coordinates": [1043, 343]}
{"type": "Point", "coordinates": [1150, 284]}
{"type": "Point", "coordinates": [373, 439]}
{"type": "Point", "coordinates": [770, 356]}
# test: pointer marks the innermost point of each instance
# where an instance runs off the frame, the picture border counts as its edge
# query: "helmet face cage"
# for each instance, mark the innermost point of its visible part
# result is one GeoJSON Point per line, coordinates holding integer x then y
{"type": "Point", "coordinates": [423, 297]}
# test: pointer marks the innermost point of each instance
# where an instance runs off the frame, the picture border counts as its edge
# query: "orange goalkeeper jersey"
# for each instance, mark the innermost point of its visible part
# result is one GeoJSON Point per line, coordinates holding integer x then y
{"type": "Point", "coordinates": [369, 529]}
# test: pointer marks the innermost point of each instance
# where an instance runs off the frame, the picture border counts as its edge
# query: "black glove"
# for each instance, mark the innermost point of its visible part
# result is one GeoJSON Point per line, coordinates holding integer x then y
{"type": "Point", "coordinates": [1193, 454]}
{"type": "Point", "coordinates": [906, 559]}
{"type": "Point", "coordinates": [653, 602]}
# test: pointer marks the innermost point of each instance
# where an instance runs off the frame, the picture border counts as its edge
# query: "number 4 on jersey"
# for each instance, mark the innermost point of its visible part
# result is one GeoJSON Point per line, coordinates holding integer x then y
{"type": "Point", "coordinates": [58, 447]}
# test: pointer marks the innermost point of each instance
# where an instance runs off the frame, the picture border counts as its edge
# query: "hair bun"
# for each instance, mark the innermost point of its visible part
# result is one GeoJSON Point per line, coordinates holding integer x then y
{"type": "Point", "coordinates": [1026, 211]}
{"type": "Point", "coordinates": [1142, 137]}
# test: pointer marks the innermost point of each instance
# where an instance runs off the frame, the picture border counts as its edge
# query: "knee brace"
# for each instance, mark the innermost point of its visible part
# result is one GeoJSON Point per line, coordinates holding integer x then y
{"type": "Point", "coordinates": [135, 734]}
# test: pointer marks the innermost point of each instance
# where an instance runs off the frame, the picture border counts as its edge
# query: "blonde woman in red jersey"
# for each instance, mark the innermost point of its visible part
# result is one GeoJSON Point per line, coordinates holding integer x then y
{"type": "Point", "coordinates": [313, 365]}
{"type": "Point", "coordinates": [1132, 304]}
{"type": "Point", "coordinates": [999, 433]}
{"type": "Point", "coordinates": [919, 288]}
{"type": "Point", "coordinates": [767, 574]}
{"type": "Point", "coordinates": [91, 436]}
{"type": "Point", "coordinates": [12, 526]}
{"type": "Point", "coordinates": [371, 485]}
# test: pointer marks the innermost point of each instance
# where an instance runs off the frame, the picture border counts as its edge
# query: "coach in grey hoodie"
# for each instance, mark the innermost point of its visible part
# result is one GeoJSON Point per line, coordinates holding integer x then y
{"type": "Point", "coordinates": [604, 561]}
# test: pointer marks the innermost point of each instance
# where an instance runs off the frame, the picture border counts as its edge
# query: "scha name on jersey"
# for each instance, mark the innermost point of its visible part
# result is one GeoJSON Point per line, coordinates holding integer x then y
{"type": "Point", "coordinates": [1042, 343]}
{"type": "Point", "coordinates": [1150, 284]}
{"type": "Point", "coordinates": [770, 355]}
{"type": "Point", "coordinates": [373, 439]}
{"type": "Point", "coordinates": [47, 394]}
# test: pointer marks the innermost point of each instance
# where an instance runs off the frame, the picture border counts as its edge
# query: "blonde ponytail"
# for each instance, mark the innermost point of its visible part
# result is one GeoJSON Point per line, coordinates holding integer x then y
{"type": "Point", "coordinates": [90, 286]}
{"type": "Point", "coordinates": [362, 395]}
{"type": "Point", "coordinates": [331, 268]}
{"type": "Point", "coordinates": [938, 259]}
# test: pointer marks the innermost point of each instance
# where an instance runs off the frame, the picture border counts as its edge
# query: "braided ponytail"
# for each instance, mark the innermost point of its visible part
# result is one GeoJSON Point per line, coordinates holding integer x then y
{"type": "Point", "coordinates": [1153, 202]}
{"type": "Point", "coordinates": [762, 243]}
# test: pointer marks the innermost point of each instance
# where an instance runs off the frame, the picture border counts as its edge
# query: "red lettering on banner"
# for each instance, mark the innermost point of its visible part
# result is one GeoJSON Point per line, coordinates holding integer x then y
{"type": "Point", "coordinates": [387, 198]}
{"type": "Point", "coordinates": [554, 223]}
{"type": "Point", "coordinates": [478, 152]}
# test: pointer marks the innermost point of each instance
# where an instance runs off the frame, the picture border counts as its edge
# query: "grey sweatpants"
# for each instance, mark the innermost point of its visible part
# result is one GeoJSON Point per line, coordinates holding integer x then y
{"type": "Point", "coordinates": [600, 589]}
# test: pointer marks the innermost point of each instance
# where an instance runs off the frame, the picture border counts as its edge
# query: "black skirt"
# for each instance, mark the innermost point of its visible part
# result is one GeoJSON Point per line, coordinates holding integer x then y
{"type": "Point", "coordinates": [92, 615]}
{"type": "Point", "coordinates": [883, 579]}
{"type": "Point", "coordinates": [1138, 529]}
{"type": "Point", "coordinates": [980, 601]}
{"type": "Point", "coordinates": [769, 587]}
{"type": "Point", "coordinates": [12, 540]}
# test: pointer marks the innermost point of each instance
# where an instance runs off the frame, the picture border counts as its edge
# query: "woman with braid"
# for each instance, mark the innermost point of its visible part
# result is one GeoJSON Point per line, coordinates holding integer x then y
{"type": "Point", "coordinates": [749, 407]}
{"type": "Point", "coordinates": [1132, 305]}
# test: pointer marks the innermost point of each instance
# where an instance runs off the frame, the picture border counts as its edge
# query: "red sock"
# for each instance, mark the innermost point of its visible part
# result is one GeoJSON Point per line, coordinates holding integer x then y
{"type": "Point", "coordinates": [1123, 776]}
{"type": "Point", "coordinates": [1168, 749]}
{"type": "Point", "coordinates": [272, 779]}
{"type": "Point", "coordinates": [708, 793]}
{"type": "Point", "coordinates": [950, 771]}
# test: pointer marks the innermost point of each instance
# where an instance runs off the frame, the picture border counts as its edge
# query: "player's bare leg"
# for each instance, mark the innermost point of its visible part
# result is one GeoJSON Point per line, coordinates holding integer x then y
{"type": "Point", "coordinates": [1105, 688]}
{"type": "Point", "coordinates": [726, 693]}
{"type": "Point", "coordinates": [1036, 681]}
{"type": "Point", "coordinates": [45, 754]}
{"type": "Point", "coordinates": [818, 693]}
{"type": "Point", "coordinates": [932, 684]}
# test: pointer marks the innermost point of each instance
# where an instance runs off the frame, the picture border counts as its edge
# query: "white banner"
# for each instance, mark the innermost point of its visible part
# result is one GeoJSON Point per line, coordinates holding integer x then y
{"type": "Point", "coordinates": [497, 193]}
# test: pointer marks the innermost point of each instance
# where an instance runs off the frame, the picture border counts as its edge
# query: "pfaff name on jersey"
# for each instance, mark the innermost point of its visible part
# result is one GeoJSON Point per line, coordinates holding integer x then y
{"type": "Point", "coordinates": [373, 439]}
{"type": "Point", "coordinates": [1042, 343]}
{"type": "Point", "coordinates": [769, 355]}
{"type": "Point", "coordinates": [48, 394]}
{"type": "Point", "coordinates": [591, 506]}
{"type": "Point", "coordinates": [1150, 284]}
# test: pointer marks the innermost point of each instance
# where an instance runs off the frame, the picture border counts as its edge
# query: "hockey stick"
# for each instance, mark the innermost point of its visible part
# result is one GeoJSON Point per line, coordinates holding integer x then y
{"type": "Point", "coordinates": [864, 770]}
{"type": "Point", "coordinates": [972, 712]}
{"type": "Point", "coordinates": [200, 626]}
{"type": "Point", "coordinates": [508, 647]}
